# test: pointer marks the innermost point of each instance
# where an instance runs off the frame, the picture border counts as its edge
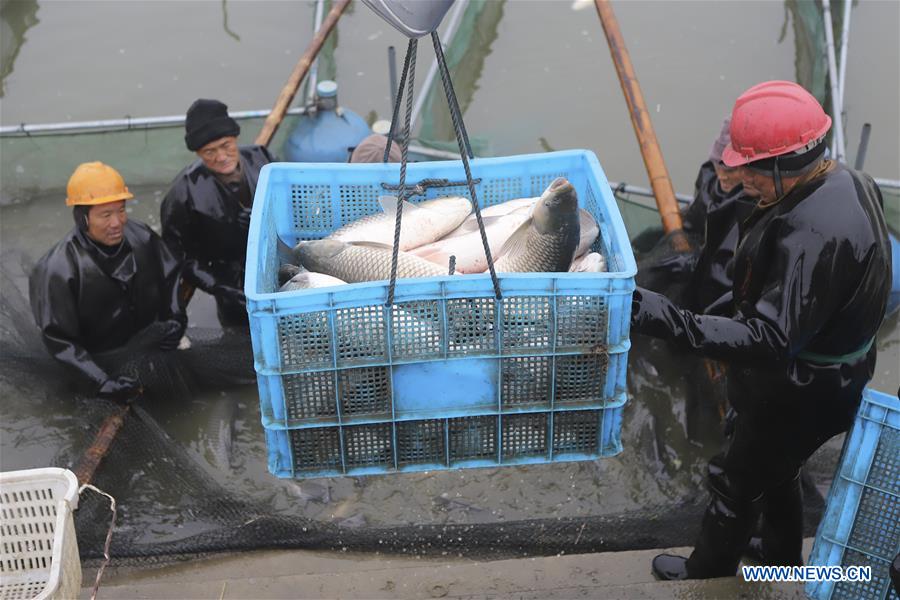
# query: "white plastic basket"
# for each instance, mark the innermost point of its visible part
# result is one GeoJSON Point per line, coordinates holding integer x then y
{"type": "Point", "coordinates": [38, 549]}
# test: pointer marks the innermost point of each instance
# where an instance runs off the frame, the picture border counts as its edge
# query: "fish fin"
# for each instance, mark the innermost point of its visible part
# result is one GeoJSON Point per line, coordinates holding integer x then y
{"type": "Point", "coordinates": [471, 226]}
{"type": "Point", "coordinates": [371, 245]}
{"type": "Point", "coordinates": [516, 242]}
{"type": "Point", "coordinates": [389, 205]}
{"type": "Point", "coordinates": [284, 252]}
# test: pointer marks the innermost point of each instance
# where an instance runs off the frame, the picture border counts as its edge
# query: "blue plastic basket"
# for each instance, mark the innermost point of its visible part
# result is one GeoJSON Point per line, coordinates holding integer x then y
{"type": "Point", "coordinates": [448, 376]}
{"type": "Point", "coordinates": [861, 525]}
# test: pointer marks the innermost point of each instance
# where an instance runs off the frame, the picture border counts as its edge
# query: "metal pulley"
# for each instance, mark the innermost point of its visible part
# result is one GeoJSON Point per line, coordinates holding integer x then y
{"type": "Point", "coordinates": [413, 18]}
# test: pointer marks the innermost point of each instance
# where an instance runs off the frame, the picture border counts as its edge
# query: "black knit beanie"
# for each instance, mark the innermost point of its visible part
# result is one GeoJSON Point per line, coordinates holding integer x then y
{"type": "Point", "coordinates": [207, 121]}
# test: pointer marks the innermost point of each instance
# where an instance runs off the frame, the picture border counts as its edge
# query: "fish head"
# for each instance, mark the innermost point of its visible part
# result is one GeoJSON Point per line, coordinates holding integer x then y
{"type": "Point", "coordinates": [314, 252]}
{"type": "Point", "coordinates": [557, 206]}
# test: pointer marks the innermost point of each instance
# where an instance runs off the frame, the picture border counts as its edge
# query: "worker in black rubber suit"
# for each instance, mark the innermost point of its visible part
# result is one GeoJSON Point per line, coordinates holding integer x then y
{"type": "Point", "coordinates": [206, 213]}
{"type": "Point", "coordinates": [107, 281]}
{"type": "Point", "coordinates": [811, 282]}
{"type": "Point", "coordinates": [697, 278]}
{"type": "Point", "coordinates": [719, 205]}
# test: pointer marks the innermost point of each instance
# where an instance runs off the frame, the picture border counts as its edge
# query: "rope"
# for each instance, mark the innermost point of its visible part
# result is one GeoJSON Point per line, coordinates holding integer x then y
{"type": "Point", "coordinates": [112, 524]}
{"type": "Point", "coordinates": [465, 151]}
{"type": "Point", "coordinates": [410, 66]}
{"type": "Point", "coordinates": [421, 188]}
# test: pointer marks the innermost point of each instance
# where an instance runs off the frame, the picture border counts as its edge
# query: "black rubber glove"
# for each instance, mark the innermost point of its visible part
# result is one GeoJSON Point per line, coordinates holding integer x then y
{"type": "Point", "coordinates": [243, 218]}
{"type": "Point", "coordinates": [174, 329]}
{"type": "Point", "coordinates": [121, 389]}
{"type": "Point", "coordinates": [231, 293]}
{"type": "Point", "coordinates": [636, 313]}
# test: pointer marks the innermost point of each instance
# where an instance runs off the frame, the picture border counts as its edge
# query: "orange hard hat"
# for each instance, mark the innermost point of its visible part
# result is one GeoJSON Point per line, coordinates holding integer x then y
{"type": "Point", "coordinates": [774, 118]}
{"type": "Point", "coordinates": [95, 183]}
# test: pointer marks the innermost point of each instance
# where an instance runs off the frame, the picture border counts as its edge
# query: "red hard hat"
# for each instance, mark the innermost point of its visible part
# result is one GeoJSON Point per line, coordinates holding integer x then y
{"type": "Point", "coordinates": [771, 119]}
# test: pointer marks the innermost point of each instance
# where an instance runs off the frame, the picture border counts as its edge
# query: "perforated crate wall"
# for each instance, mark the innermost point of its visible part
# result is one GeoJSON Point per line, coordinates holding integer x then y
{"type": "Point", "coordinates": [861, 525]}
{"type": "Point", "coordinates": [428, 444]}
{"type": "Point", "coordinates": [448, 376]}
{"type": "Point", "coordinates": [38, 550]}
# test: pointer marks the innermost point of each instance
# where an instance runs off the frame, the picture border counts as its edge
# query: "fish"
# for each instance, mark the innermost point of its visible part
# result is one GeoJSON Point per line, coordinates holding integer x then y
{"type": "Point", "coordinates": [287, 271]}
{"type": "Point", "coordinates": [510, 206]}
{"type": "Point", "coordinates": [421, 224]}
{"type": "Point", "coordinates": [358, 262]}
{"type": "Point", "coordinates": [546, 242]}
{"type": "Point", "coordinates": [466, 245]}
{"type": "Point", "coordinates": [307, 280]}
{"type": "Point", "coordinates": [588, 232]}
{"type": "Point", "coordinates": [446, 502]}
{"type": "Point", "coordinates": [592, 262]}
{"type": "Point", "coordinates": [222, 430]}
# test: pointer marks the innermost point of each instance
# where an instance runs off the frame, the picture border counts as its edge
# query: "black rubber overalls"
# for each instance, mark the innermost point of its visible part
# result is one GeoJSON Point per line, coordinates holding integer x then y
{"type": "Point", "coordinates": [811, 281]}
{"type": "Point", "coordinates": [205, 224]}
{"type": "Point", "coordinates": [86, 301]}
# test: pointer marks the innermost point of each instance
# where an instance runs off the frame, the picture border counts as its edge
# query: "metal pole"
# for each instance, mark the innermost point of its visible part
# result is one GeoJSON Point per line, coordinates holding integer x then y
{"type": "Point", "coordinates": [640, 120]}
{"type": "Point", "coordinates": [392, 74]}
{"type": "Point", "coordinates": [290, 88]}
{"type": "Point", "coordinates": [452, 24]}
{"type": "Point", "coordinates": [838, 128]}
{"type": "Point", "coordinates": [126, 123]}
{"type": "Point", "coordinates": [845, 41]}
{"type": "Point", "coordinates": [314, 70]}
{"type": "Point", "coordinates": [863, 147]}
{"type": "Point", "coordinates": [626, 188]}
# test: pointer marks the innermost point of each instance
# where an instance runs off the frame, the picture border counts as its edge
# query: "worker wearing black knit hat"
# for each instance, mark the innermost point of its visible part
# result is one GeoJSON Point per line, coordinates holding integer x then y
{"type": "Point", "coordinates": [207, 121]}
{"type": "Point", "coordinates": [206, 213]}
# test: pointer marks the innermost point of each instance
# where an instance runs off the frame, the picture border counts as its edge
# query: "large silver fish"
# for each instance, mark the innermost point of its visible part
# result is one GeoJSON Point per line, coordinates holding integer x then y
{"type": "Point", "coordinates": [546, 242]}
{"type": "Point", "coordinates": [589, 230]}
{"type": "Point", "coordinates": [592, 262]}
{"type": "Point", "coordinates": [307, 280]}
{"type": "Point", "coordinates": [466, 245]}
{"type": "Point", "coordinates": [421, 224]}
{"type": "Point", "coordinates": [361, 262]}
{"type": "Point", "coordinates": [510, 206]}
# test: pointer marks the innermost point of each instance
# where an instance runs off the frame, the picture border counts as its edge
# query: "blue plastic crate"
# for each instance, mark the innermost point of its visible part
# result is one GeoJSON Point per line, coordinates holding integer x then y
{"type": "Point", "coordinates": [861, 525]}
{"type": "Point", "coordinates": [448, 376]}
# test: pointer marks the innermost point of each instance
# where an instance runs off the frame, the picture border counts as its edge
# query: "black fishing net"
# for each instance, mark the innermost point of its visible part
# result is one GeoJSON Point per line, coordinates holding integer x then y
{"type": "Point", "coordinates": [173, 504]}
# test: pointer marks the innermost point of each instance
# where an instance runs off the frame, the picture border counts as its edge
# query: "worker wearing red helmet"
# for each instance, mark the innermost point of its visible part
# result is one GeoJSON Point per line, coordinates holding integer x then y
{"type": "Point", "coordinates": [811, 282]}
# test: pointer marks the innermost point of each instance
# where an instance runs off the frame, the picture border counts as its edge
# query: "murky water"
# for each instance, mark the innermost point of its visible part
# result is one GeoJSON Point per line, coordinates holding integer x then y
{"type": "Point", "coordinates": [543, 80]}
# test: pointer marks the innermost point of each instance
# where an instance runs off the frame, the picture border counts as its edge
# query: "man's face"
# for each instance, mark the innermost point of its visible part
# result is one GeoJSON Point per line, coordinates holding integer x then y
{"type": "Point", "coordinates": [106, 222]}
{"type": "Point", "coordinates": [757, 184]}
{"type": "Point", "coordinates": [220, 156]}
{"type": "Point", "coordinates": [729, 177]}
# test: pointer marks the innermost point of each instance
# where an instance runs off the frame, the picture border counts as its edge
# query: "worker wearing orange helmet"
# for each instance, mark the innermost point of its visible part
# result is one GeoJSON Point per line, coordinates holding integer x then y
{"type": "Point", "coordinates": [106, 280]}
{"type": "Point", "coordinates": [811, 282]}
